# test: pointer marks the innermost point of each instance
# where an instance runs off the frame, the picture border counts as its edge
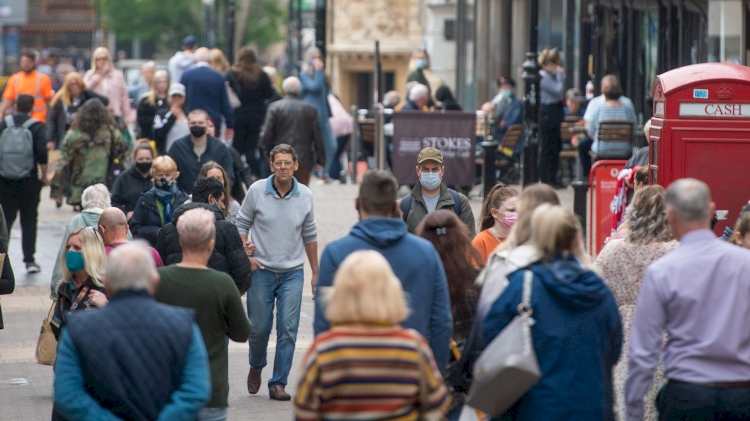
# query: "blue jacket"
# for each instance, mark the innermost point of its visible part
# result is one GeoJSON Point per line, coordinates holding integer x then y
{"type": "Point", "coordinates": [417, 265]}
{"type": "Point", "coordinates": [205, 89]}
{"type": "Point", "coordinates": [315, 93]}
{"type": "Point", "coordinates": [133, 359]}
{"type": "Point", "coordinates": [577, 338]}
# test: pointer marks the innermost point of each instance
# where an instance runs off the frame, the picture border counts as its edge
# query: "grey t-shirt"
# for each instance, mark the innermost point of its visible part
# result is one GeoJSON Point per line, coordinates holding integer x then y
{"type": "Point", "coordinates": [431, 202]}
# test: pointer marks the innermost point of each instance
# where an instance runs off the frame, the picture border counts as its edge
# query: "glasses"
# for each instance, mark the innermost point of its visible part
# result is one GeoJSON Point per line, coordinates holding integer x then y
{"type": "Point", "coordinates": [283, 164]}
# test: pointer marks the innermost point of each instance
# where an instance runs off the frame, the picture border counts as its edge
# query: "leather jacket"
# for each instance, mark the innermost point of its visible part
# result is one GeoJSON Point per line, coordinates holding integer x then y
{"type": "Point", "coordinates": [294, 122]}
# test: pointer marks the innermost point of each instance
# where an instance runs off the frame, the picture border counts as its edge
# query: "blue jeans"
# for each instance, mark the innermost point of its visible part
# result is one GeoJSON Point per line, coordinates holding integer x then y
{"type": "Point", "coordinates": [269, 288]}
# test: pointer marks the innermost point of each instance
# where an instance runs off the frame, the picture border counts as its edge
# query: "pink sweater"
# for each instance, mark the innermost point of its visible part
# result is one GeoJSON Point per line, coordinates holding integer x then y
{"type": "Point", "coordinates": [112, 86]}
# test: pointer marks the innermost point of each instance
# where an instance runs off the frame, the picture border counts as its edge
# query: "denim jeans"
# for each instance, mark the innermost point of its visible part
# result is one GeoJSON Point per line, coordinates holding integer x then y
{"type": "Point", "coordinates": [284, 290]}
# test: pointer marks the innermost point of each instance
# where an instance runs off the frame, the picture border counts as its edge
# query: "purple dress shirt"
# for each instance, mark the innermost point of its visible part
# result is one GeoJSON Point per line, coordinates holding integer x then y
{"type": "Point", "coordinates": [700, 295]}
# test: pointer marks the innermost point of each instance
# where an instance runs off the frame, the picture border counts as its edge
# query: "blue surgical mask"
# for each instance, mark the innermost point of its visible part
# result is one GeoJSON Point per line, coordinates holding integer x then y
{"type": "Point", "coordinates": [430, 180]}
{"type": "Point", "coordinates": [421, 63]}
{"type": "Point", "coordinates": [507, 93]}
{"type": "Point", "coordinates": [74, 261]}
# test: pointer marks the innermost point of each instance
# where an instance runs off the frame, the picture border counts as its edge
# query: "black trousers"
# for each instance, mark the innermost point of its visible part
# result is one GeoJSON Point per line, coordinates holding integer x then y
{"type": "Point", "coordinates": [691, 402]}
{"type": "Point", "coordinates": [22, 196]}
{"type": "Point", "coordinates": [584, 147]}
{"type": "Point", "coordinates": [552, 116]}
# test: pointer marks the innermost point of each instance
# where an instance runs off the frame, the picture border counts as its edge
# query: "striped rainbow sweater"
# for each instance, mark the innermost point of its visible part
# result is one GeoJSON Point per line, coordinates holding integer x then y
{"type": "Point", "coordinates": [367, 372]}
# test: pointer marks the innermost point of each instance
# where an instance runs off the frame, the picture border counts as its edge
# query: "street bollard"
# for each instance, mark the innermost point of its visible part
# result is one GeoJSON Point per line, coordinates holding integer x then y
{"type": "Point", "coordinates": [489, 176]}
{"type": "Point", "coordinates": [354, 145]}
{"type": "Point", "coordinates": [580, 189]}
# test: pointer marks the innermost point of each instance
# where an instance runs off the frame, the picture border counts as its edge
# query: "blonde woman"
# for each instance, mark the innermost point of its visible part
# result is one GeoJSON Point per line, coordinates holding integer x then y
{"type": "Point", "coordinates": [83, 266]}
{"type": "Point", "coordinates": [622, 263]}
{"type": "Point", "coordinates": [368, 352]}
{"type": "Point", "coordinates": [65, 105]}
{"type": "Point", "coordinates": [156, 99]}
{"type": "Point", "coordinates": [577, 334]}
{"type": "Point", "coordinates": [219, 61]}
{"type": "Point", "coordinates": [105, 80]}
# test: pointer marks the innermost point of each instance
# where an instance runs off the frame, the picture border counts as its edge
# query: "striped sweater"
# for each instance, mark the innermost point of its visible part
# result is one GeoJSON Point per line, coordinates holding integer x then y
{"type": "Point", "coordinates": [365, 372]}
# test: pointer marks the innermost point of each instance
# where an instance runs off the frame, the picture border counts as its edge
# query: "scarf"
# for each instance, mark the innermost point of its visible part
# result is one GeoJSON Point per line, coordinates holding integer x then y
{"type": "Point", "coordinates": [165, 197]}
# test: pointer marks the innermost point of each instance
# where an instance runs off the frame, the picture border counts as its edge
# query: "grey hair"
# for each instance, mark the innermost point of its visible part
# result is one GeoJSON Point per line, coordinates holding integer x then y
{"type": "Point", "coordinates": [130, 267]}
{"type": "Point", "coordinates": [391, 99]}
{"type": "Point", "coordinates": [418, 92]}
{"type": "Point", "coordinates": [291, 86]}
{"type": "Point", "coordinates": [690, 199]}
{"type": "Point", "coordinates": [96, 196]}
{"type": "Point", "coordinates": [149, 65]}
{"type": "Point", "coordinates": [196, 228]}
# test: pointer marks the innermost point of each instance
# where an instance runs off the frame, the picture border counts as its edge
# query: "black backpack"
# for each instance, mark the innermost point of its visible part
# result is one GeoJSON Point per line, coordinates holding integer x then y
{"type": "Point", "coordinates": [406, 203]}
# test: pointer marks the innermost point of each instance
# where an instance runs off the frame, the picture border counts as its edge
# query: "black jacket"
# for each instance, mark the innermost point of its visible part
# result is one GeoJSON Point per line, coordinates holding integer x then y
{"type": "Point", "coordinates": [228, 256]}
{"type": "Point", "coordinates": [7, 279]}
{"type": "Point", "coordinates": [57, 119]}
{"type": "Point", "coordinates": [128, 188]}
{"type": "Point", "coordinates": [294, 122]}
{"type": "Point", "coordinates": [146, 221]}
{"type": "Point", "coordinates": [162, 127]}
{"type": "Point", "coordinates": [189, 164]}
{"type": "Point", "coordinates": [146, 113]}
{"type": "Point", "coordinates": [242, 175]}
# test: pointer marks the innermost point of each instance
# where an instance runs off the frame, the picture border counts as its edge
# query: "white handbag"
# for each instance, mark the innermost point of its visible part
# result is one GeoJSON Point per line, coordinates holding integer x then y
{"type": "Point", "coordinates": [508, 367]}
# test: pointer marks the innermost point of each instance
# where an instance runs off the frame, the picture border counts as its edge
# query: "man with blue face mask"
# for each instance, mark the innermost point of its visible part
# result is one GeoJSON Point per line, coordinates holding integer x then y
{"type": "Point", "coordinates": [421, 63]}
{"type": "Point", "coordinates": [431, 193]}
{"type": "Point", "coordinates": [508, 109]}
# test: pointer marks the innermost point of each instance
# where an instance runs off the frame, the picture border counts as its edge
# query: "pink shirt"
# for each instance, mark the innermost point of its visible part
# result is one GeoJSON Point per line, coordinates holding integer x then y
{"type": "Point", "coordinates": [112, 86]}
{"type": "Point", "coordinates": [154, 253]}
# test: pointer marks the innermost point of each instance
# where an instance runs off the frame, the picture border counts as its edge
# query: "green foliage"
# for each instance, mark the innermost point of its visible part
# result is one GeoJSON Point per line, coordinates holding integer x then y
{"type": "Point", "coordinates": [164, 21]}
{"type": "Point", "coordinates": [265, 23]}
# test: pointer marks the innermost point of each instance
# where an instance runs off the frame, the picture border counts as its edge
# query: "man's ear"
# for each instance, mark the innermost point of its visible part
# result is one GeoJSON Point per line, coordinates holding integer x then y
{"type": "Point", "coordinates": [356, 203]}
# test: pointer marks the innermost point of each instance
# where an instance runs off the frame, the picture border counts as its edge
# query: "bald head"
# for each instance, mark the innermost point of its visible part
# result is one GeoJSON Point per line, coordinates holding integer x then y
{"type": "Point", "coordinates": [113, 226]}
{"type": "Point", "coordinates": [203, 55]}
{"type": "Point", "coordinates": [689, 206]}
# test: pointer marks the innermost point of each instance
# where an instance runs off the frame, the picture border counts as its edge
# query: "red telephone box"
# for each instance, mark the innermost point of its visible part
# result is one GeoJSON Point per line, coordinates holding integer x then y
{"type": "Point", "coordinates": [701, 129]}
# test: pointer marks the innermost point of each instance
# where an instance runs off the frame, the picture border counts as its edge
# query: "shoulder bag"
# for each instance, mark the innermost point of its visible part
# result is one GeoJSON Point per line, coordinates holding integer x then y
{"type": "Point", "coordinates": [508, 367]}
{"type": "Point", "coordinates": [46, 346]}
{"type": "Point", "coordinates": [234, 100]}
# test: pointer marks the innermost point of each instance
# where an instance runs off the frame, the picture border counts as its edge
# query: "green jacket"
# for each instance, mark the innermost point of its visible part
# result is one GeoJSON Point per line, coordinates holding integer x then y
{"type": "Point", "coordinates": [417, 75]}
{"type": "Point", "coordinates": [419, 209]}
{"type": "Point", "coordinates": [84, 162]}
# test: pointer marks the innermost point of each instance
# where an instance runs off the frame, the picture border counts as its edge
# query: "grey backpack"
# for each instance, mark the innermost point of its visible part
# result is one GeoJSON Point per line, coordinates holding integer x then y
{"type": "Point", "coordinates": [17, 149]}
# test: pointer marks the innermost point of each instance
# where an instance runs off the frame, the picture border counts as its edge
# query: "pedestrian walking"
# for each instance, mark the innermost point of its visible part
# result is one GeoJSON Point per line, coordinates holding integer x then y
{"type": "Point", "coordinates": [622, 263]}
{"type": "Point", "coordinates": [342, 125]}
{"type": "Point", "coordinates": [28, 81]}
{"type": "Point", "coordinates": [294, 122]}
{"type": "Point", "coordinates": [104, 79]}
{"type": "Point", "coordinates": [64, 107]}
{"type": "Point", "coordinates": [213, 295]}
{"type": "Point", "coordinates": [368, 352]}
{"type": "Point", "coordinates": [253, 88]}
{"type": "Point", "coordinates": [86, 153]}
{"type": "Point", "coordinates": [498, 217]}
{"type": "Point", "coordinates": [228, 252]}
{"type": "Point", "coordinates": [191, 152]}
{"type": "Point", "coordinates": [135, 358]}
{"type": "Point", "coordinates": [551, 87]}
{"type": "Point", "coordinates": [7, 279]}
{"type": "Point", "coordinates": [219, 61]}
{"type": "Point", "coordinates": [93, 200]}
{"type": "Point", "coordinates": [432, 193]}
{"type": "Point", "coordinates": [417, 98]}
{"type": "Point", "coordinates": [136, 92]}
{"type": "Point", "coordinates": [184, 59]}
{"type": "Point", "coordinates": [81, 287]}
{"type": "Point", "coordinates": [149, 104]}
{"type": "Point", "coordinates": [278, 213]}
{"type": "Point", "coordinates": [206, 90]}
{"type": "Point", "coordinates": [136, 180]}
{"type": "Point", "coordinates": [171, 124]}
{"type": "Point", "coordinates": [230, 207]}
{"type": "Point", "coordinates": [22, 149]}
{"type": "Point", "coordinates": [315, 90]}
{"type": "Point", "coordinates": [421, 61]}
{"type": "Point", "coordinates": [577, 334]}
{"type": "Point", "coordinates": [414, 261]}
{"type": "Point", "coordinates": [113, 228]}
{"type": "Point", "coordinates": [707, 356]}
{"type": "Point", "coordinates": [462, 264]}
{"type": "Point", "coordinates": [156, 206]}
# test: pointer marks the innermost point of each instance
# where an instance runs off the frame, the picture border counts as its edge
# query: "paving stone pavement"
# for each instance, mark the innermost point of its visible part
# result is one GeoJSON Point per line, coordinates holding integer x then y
{"type": "Point", "coordinates": [26, 387]}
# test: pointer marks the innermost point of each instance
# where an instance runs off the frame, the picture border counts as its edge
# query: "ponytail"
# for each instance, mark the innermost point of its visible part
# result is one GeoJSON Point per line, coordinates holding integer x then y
{"type": "Point", "coordinates": [495, 198]}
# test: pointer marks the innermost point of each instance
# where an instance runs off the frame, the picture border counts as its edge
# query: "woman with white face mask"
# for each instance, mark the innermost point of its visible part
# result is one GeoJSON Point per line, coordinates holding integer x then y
{"type": "Point", "coordinates": [498, 217]}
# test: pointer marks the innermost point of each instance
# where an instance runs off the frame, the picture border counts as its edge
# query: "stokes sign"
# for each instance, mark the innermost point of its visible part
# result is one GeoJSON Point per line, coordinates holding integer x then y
{"type": "Point", "coordinates": [453, 133]}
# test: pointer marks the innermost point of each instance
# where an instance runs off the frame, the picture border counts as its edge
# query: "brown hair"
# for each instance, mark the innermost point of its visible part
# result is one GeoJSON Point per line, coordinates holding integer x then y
{"type": "Point", "coordinates": [647, 217]}
{"type": "Point", "coordinates": [246, 67]}
{"type": "Point", "coordinates": [378, 193]}
{"type": "Point", "coordinates": [548, 56]}
{"type": "Point", "coordinates": [495, 198]}
{"type": "Point", "coordinates": [641, 176]}
{"type": "Point", "coordinates": [450, 237]}
{"type": "Point", "coordinates": [743, 225]}
{"type": "Point", "coordinates": [211, 165]}
{"type": "Point", "coordinates": [143, 145]}
{"type": "Point", "coordinates": [612, 90]}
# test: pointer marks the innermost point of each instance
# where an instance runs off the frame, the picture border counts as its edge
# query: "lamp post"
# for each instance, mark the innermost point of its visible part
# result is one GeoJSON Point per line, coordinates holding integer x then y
{"type": "Point", "coordinates": [5, 11]}
{"type": "Point", "coordinates": [208, 30]}
{"type": "Point", "coordinates": [230, 29]}
{"type": "Point", "coordinates": [531, 101]}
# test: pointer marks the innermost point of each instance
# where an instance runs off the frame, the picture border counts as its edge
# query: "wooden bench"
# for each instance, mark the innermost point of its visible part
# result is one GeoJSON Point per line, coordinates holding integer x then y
{"type": "Point", "coordinates": [615, 131]}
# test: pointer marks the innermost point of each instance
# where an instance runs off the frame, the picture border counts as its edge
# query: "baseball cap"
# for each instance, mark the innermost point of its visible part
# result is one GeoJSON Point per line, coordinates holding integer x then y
{"type": "Point", "coordinates": [177, 89]}
{"type": "Point", "coordinates": [427, 154]}
{"type": "Point", "coordinates": [189, 41]}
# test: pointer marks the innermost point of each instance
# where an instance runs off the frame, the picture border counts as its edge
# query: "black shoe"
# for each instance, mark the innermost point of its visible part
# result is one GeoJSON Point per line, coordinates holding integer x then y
{"type": "Point", "coordinates": [32, 267]}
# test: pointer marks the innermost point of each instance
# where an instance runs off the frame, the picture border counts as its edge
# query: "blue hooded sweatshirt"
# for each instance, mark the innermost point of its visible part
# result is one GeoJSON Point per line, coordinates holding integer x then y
{"type": "Point", "coordinates": [577, 339]}
{"type": "Point", "coordinates": [417, 265]}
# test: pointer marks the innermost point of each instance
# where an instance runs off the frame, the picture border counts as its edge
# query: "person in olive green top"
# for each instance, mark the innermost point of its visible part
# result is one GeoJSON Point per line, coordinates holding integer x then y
{"type": "Point", "coordinates": [214, 297]}
{"type": "Point", "coordinates": [422, 63]}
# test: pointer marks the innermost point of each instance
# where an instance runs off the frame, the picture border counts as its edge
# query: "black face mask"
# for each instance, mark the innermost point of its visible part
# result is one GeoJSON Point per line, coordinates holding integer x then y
{"type": "Point", "coordinates": [143, 167]}
{"type": "Point", "coordinates": [197, 131]}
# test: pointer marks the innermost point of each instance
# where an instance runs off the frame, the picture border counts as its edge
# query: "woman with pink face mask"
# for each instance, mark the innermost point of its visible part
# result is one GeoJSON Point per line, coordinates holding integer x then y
{"type": "Point", "coordinates": [498, 216]}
